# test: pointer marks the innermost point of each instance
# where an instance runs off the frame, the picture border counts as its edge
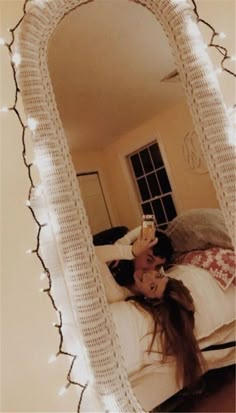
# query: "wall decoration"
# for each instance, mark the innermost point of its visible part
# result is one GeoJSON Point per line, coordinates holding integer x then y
{"type": "Point", "coordinates": [193, 154]}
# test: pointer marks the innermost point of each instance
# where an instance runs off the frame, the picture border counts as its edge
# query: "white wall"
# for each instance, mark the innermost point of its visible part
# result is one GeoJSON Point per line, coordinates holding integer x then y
{"type": "Point", "coordinates": [28, 383]}
{"type": "Point", "coordinates": [221, 15]}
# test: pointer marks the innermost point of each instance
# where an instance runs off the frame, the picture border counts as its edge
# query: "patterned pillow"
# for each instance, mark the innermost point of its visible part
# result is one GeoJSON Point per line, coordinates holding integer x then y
{"type": "Point", "coordinates": [220, 262]}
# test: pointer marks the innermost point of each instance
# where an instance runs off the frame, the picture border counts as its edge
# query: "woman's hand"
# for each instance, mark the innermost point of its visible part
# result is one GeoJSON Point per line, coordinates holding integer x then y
{"type": "Point", "coordinates": [144, 241]}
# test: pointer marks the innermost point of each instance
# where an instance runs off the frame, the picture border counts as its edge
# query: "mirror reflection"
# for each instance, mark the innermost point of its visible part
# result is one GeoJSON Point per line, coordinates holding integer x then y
{"type": "Point", "coordinates": [126, 119]}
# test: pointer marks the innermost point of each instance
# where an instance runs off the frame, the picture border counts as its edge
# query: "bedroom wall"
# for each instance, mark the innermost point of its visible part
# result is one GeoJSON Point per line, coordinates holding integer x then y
{"type": "Point", "coordinates": [28, 383]}
{"type": "Point", "coordinates": [190, 189]}
{"type": "Point", "coordinates": [169, 129]}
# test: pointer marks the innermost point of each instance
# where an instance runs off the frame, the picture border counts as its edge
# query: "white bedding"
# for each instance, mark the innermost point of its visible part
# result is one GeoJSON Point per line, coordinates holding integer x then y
{"type": "Point", "coordinates": [154, 384]}
{"type": "Point", "coordinates": [214, 309]}
{"type": "Point", "coordinates": [214, 319]}
{"type": "Point", "coordinates": [152, 380]}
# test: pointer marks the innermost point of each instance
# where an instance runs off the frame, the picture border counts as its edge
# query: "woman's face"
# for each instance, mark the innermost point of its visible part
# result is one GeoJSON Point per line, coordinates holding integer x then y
{"type": "Point", "coordinates": [150, 283]}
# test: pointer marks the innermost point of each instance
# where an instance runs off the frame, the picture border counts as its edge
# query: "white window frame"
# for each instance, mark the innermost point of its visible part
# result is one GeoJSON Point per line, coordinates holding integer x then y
{"type": "Point", "coordinates": [145, 174]}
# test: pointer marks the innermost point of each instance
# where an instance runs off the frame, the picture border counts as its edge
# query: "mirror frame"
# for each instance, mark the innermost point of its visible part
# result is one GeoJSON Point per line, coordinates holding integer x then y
{"type": "Point", "coordinates": [66, 242]}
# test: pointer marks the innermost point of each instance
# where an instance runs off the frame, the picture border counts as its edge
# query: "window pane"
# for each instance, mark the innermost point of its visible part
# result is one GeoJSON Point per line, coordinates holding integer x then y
{"type": "Point", "coordinates": [158, 211]}
{"type": "Point", "coordinates": [156, 155]}
{"type": "Point", "coordinates": [169, 207]}
{"type": "Point", "coordinates": [143, 188]}
{"type": "Point", "coordinates": [137, 167]}
{"type": "Point", "coordinates": [146, 160]}
{"type": "Point", "coordinates": [147, 208]}
{"type": "Point", "coordinates": [153, 184]}
{"type": "Point", "coordinates": [164, 181]}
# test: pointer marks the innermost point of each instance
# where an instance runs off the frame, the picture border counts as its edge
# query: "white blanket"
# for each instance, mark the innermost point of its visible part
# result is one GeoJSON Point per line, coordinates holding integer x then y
{"type": "Point", "coordinates": [214, 309]}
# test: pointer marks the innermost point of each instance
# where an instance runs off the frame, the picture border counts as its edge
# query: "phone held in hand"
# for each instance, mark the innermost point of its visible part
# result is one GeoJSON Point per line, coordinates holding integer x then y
{"type": "Point", "coordinates": [148, 222]}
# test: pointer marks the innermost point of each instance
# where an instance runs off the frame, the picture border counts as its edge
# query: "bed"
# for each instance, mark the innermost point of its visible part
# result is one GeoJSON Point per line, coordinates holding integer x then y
{"type": "Point", "coordinates": [211, 281]}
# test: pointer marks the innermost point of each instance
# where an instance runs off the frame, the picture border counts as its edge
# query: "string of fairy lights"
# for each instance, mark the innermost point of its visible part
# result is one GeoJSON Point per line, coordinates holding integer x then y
{"type": "Point", "coordinates": [222, 50]}
{"type": "Point", "coordinates": [15, 60]}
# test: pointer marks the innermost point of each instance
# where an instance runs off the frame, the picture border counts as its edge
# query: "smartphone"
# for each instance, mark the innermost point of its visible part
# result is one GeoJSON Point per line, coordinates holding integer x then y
{"type": "Point", "coordinates": [148, 221]}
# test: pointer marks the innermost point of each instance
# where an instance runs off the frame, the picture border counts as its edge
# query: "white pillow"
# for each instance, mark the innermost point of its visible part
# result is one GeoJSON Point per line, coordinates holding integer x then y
{"type": "Point", "coordinates": [198, 229]}
{"type": "Point", "coordinates": [214, 307]}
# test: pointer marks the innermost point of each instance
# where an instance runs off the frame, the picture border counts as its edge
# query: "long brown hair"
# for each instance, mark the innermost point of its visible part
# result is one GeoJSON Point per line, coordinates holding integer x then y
{"type": "Point", "coordinates": [173, 317]}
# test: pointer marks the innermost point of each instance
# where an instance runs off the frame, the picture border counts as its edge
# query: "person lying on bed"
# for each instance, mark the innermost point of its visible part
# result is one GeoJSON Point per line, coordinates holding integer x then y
{"type": "Point", "coordinates": [149, 253]}
{"type": "Point", "coordinates": [171, 306]}
{"type": "Point", "coordinates": [168, 301]}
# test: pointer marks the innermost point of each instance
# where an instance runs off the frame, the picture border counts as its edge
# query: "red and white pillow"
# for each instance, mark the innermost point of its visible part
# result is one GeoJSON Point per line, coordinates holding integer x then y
{"type": "Point", "coordinates": [220, 262]}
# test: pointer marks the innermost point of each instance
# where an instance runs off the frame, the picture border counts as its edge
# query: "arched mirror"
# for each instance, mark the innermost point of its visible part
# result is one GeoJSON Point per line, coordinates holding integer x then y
{"type": "Point", "coordinates": [122, 99]}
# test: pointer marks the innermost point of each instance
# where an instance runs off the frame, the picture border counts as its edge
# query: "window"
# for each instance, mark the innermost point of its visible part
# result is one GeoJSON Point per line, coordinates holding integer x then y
{"type": "Point", "coordinates": [153, 185]}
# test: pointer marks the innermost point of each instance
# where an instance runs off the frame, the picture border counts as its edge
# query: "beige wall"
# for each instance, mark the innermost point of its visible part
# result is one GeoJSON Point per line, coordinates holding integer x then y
{"type": "Point", "coordinates": [169, 129]}
{"type": "Point", "coordinates": [190, 189]}
{"type": "Point", "coordinates": [28, 383]}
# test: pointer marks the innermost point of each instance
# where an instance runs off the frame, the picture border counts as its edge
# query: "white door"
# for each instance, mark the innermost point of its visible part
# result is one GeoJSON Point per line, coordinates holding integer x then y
{"type": "Point", "coordinates": [94, 202]}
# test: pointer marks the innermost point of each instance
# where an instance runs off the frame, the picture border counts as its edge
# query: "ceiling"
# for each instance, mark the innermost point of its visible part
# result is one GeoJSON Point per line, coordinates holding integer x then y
{"type": "Point", "coordinates": [106, 61]}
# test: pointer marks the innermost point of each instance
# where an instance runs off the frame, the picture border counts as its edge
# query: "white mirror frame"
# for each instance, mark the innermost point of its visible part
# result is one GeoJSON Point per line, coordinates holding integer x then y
{"type": "Point", "coordinates": [66, 242]}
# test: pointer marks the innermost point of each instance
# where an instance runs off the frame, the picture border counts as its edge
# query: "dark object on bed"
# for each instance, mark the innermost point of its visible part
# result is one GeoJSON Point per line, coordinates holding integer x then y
{"type": "Point", "coordinates": [207, 394]}
{"type": "Point", "coordinates": [109, 236]}
{"type": "Point", "coordinates": [221, 346]}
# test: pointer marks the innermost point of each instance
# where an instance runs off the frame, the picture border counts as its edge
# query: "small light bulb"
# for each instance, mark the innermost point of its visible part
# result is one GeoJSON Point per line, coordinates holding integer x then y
{"type": "Point", "coordinates": [32, 123]}
{"type": "Point", "coordinates": [4, 109]}
{"type": "Point", "coordinates": [2, 41]}
{"type": "Point", "coordinates": [192, 28]}
{"type": "Point", "coordinates": [54, 324]}
{"type": "Point", "coordinates": [218, 71]}
{"type": "Point", "coordinates": [62, 391]}
{"type": "Point", "coordinates": [40, 3]}
{"type": "Point", "coordinates": [16, 59]}
{"type": "Point", "coordinates": [29, 252]}
{"type": "Point", "coordinates": [41, 290]}
{"type": "Point", "coordinates": [233, 58]}
{"type": "Point", "coordinates": [222, 35]}
{"type": "Point", "coordinates": [28, 203]}
{"type": "Point", "coordinates": [179, 1]}
{"type": "Point", "coordinates": [38, 190]}
{"type": "Point", "coordinates": [52, 358]}
{"type": "Point", "coordinates": [42, 276]}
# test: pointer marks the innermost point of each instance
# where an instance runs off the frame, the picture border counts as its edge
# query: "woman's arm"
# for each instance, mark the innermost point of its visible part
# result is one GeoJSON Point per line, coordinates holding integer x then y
{"type": "Point", "coordinates": [106, 253]}
{"type": "Point", "coordinates": [130, 237]}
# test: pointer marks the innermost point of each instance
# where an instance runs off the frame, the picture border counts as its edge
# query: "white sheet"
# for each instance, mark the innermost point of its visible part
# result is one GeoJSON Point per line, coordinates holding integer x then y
{"type": "Point", "coordinates": [214, 309]}
{"type": "Point", "coordinates": [156, 383]}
